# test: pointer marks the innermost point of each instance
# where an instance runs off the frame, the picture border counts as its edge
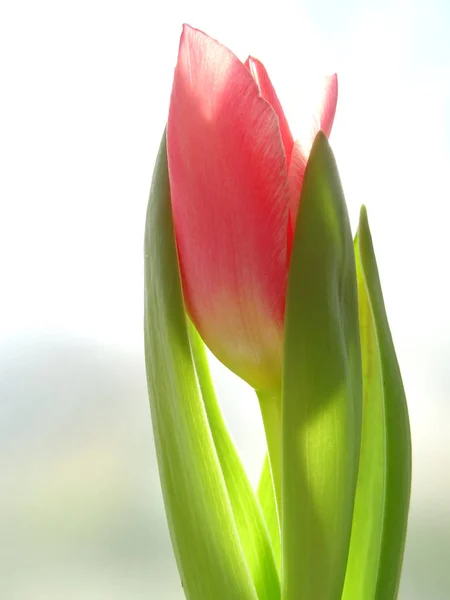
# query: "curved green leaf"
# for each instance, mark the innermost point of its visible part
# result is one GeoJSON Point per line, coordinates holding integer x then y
{"type": "Point", "coordinates": [384, 480]}
{"type": "Point", "coordinates": [251, 527]}
{"type": "Point", "coordinates": [271, 413]}
{"type": "Point", "coordinates": [364, 554]}
{"type": "Point", "coordinates": [203, 531]}
{"type": "Point", "coordinates": [266, 497]}
{"type": "Point", "coordinates": [322, 389]}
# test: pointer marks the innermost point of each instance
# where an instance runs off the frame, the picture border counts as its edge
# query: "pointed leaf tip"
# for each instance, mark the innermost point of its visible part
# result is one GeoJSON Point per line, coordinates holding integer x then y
{"type": "Point", "coordinates": [322, 392]}
{"type": "Point", "coordinates": [384, 479]}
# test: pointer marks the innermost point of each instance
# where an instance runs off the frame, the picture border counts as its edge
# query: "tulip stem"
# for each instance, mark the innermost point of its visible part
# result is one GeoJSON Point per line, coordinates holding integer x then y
{"type": "Point", "coordinates": [270, 406]}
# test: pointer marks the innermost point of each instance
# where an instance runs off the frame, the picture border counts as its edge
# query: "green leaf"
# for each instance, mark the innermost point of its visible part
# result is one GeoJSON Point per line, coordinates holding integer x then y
{"type": "Point", "coordinates": [271, 412]}
{"type": "Point", "coordinates": [203, 531]}
{"type": "Point", "coordinates": [384, 480]}
{"type": "Point", "coordinates": [266, 497]}
{"type": "Point", "coordinates": [251, 527]}
{"type": "Point", "coordinates": [364, 555]}
{"type": "Point", "coordinates": [322, 389]}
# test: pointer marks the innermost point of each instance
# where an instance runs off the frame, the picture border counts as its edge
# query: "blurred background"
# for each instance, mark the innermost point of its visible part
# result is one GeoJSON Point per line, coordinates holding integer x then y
{"type": "Point", "coordinates": [84, 97]}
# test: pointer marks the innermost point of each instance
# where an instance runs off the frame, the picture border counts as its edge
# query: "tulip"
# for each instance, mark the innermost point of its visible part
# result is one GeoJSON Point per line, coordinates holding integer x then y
{"type": "Point", "coordinates": [235, 180]}
{"type": "Point", "coordinates": [248, 232]}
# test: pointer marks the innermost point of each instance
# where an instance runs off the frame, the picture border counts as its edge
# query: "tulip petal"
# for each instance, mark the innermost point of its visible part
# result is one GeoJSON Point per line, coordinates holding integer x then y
{"type": "Point", "coordinates": [322, 119]}
{"type": "Point", "coordinates": [297, 167]}
{"type": "Point", "coordinates": [228, 179]}
{"type": "Point", "coordinates": [267, 91]}
{"type": "Point", "coordinates": [327, 106]}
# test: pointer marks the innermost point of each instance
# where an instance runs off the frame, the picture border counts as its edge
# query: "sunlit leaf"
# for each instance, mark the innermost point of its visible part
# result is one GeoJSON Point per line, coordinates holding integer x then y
{"type": "Point", "coordinates": [253, 533]}
{"type": "Point", "coordinates": [322, 390]}
{"type": "Point", "coordinates": [203, 531]}
{"type": "Point", "coordinates": [384, 480]}
{"type": "Point", "coordinates": [266, 497]}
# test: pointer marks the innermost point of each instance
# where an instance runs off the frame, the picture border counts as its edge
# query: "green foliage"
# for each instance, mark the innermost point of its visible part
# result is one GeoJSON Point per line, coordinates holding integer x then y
{"type": "Point", "coordinates": [221, 541]}
{"type": "Point", "coordinates": [201, 522]}
{"type": "Point", "coordinates": [339, 474]}
{"type": "Point", "coordinates": [266, 497]}
{"type": "Point", "coordinates": [251, 527]}
{"type": "Point", "coordinates": [322, 389]}
{"type": "Point", "coordinates": [384, 479]}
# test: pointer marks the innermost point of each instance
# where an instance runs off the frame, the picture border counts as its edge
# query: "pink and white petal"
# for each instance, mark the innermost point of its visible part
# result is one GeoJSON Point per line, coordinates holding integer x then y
{"type": "Point", "coordinates": [319, 112]}
{"type": "Point", "coordinates": [295, 179]}
{"type": "Point", "coordinates": [322, 119]}
{"type": "Point", "coordinates": [268, 92]}
{"type": "Point", "coordinates": [228, 180]}
{"type": "Point", "coordinates": [327, 106]}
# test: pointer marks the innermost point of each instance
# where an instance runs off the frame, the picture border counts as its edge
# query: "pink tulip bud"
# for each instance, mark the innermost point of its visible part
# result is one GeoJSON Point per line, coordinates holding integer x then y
{"type": "Point", "coordinates": [235, 179]}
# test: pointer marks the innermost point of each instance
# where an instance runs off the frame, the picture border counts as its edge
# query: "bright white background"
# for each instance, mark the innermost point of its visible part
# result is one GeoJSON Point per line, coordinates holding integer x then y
{"type": "Point", "coordinates": [84, 90]}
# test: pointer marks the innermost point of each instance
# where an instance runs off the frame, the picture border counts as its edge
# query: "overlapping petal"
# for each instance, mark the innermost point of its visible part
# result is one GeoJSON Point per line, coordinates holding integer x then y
{"type": "Point", "coordinates": [228, 179]}
{"type": "Point", "coordinates": [267, 91]}
{"type": "Point", "coordinates": [321, 119]}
